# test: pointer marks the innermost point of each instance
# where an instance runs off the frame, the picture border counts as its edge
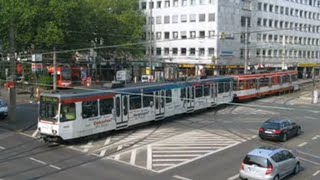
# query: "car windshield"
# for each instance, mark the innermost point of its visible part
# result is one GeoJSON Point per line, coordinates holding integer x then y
{"type": "Point", "coordinates": [271, 125]}
{"type": "Point", "coordinates": [256, 160]}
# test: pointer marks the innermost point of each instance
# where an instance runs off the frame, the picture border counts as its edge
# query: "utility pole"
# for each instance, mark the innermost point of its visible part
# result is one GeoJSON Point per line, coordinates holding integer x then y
{"type": "Point", "coordinates": [55, 69]}
{"type": "Point", "coordinates": [283, 51]}
{"type": "Point", "coordinates": [151, 38]}
{"type": "Point", "coordinates": [12, 90]}
{"type": "Point", "coordinates": [246, 47]}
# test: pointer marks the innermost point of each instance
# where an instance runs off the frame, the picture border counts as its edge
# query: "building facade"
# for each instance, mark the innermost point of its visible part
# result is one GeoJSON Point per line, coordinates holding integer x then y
{"type": "Point", "coordinates": [229, 36]}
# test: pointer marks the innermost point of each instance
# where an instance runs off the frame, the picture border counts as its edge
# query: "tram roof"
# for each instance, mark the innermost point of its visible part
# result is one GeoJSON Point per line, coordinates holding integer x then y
{"type": "Point", "coordinates": [132, 88]}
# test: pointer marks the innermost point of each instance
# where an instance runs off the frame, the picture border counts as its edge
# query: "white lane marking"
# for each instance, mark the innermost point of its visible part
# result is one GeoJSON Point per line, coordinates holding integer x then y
{"type": "Point", "coordinates": [1, 147]}
{"type": "Point", "coordinates": [308, 117]}
{"type": "Point", "coordinates": [177, 155]}
{"type": "Point", "coordinates": [161, 165]}
{"type": "Point", "coordinates": [35, 133]}
{"type": "Point", "coordinates": [315, 156]}
{"type": "Point", "coordinates": [133, 157]}
{"type": "Point", "coordinates": [180, 177]}
{"type": "Point", "coordinates": [198, 147]}
{"type": "Point", "coordinates": [199, 157]}
{"type": "Point", "coordinates": [103, 152]}
{"type": "Point", "coordinates": [56, 167]}
{"type": "Point", "coordinates": [107, 141]}
{"type": "Point", "coordinates": [316, 137]}
{"type": "Point", "coordinates": [303, 144]}
{"type": "Point", "coordinates": [167, 160]}
{"type": "Point", "coordinates": [307, 160]}
{"type": "Point", "coordinates": [117, 157]}
{"type": "Point", "coordinates": [316, 173]}
{"type": "Point", "coordinates": [36, 160]}
{"type": "Point", "coordinates": [233, 177]}
{"type": "Point", "coordinates": [149, 157]}
{"type": "Point", "coordinates": [187, 151]}
{"type": "Point", "coordinates": [196, 144]}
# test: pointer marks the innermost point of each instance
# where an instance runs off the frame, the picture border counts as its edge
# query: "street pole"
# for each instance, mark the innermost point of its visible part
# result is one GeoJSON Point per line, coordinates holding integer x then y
{"type": "Point", "coordinates": [55, 69]}
{"type": "Point", "coordinates": [12, 90]}
{"type": "Point", "coordinates": [151, 38]}
{"type": "Point", "coordinates": [246, 47]}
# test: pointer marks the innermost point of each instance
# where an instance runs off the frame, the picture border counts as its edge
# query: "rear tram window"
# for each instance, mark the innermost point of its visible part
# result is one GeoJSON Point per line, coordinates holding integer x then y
{"type": "Point", "coordinates": [68, 112]}
{"type": "Point", "coordinates": [198, 91]}
{"type": "Point", "coordinates": [147, 99]}
{"type": "Point", "coordinates": [106, 106]}
{"type": "Point", "coordinates": [206, 90]}
{"type": "Point", "coordinates": [135, 102]}
{"type": "Point", "coordinates": [168, 96]}
{"type": "Point", "coordinates": [89, 109]}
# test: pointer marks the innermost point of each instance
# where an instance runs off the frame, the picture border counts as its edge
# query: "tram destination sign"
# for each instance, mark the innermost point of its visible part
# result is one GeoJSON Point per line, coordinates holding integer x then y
{"type": "Point", "coordinates": [49, 99]}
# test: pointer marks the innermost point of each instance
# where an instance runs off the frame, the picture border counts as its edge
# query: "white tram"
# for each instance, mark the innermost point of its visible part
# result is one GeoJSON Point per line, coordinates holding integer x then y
{"type": "Point", "coordinates": [65, 116]}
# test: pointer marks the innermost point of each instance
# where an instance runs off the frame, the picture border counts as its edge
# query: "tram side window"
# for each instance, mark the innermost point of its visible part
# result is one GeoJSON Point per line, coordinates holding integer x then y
{"type": "Point", "coordinates": [118, 104]}
{"type": "Point", "coordinates": [227, 86]}
{"type": "Point", "coordinates": [168, 96]}
{"type": "Point", "coordinates": [264, 82]}
{"type": "Point", "coordinates": [68, 112]}
{"type": "Point", "coordinates": [221, 87]}
{"type": "Point", "coordinates": [198, 91]}
{"type": "Point", "coordinates": [294, 77]}
{"type": "Point", "coordinates": [135, 102]}
{"type": "Point", "coordinates": [106, 106]}
{"type": "Point", "coordinates": [147, 100]}
{"type": "Point", "coordinates": [89, 109]}
{"type": "Point", "coordinates": [285, 79]}
{"type": "Point", "coordinates": [183, 93]}
{"type": "Point", "coordinates": [251, 84]}
{"type": "Point", "coordinates": [206, 90]}
{"type": "Point", "coordinates": [235, 85]}
{"type": "Point", "coordinates": [241, 85]}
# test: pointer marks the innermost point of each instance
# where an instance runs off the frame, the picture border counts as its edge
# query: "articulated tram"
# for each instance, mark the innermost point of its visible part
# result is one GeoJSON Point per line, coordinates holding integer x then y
{"type": "Point", "coordinates": [65, 116]}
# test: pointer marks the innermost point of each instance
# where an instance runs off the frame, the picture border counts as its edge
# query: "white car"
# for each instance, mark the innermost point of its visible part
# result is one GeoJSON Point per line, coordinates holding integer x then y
{"type": "Point", "coordinates": [3, 109]}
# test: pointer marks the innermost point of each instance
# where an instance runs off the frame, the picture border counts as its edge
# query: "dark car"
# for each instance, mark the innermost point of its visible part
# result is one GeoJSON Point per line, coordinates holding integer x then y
{"type": "Point", "coordinates": [279, 129]}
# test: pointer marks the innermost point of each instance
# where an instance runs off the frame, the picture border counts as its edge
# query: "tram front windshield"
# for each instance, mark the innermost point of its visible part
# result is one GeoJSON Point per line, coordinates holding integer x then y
{"type": "Point", "coordinates": [49, 107]}
{"type": "Point", "coordinates": [66, 74]}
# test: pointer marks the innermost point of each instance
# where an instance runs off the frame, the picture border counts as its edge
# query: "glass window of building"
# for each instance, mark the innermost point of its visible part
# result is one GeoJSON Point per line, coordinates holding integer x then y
{"type": "Point", "coordinates": [158, 51]}
{"type": "Point", "coordinates": [158, 19]}
{"type": "Point", "coordinates": [192, 34]}
{"type": "Point", "coordinates": [166, 19]}
{"type": "Point", "coordinates": [159, 4]}
{"type": "Point", "coordinates": [183, 51]}
{"type": "Point", "coordinates": [174, 51]}
{"type": "Point", "coordinates": [183, 18]}
{"type": "Point", "coordinates": [211, 17]}
{"type": "Point", "coordinates": [202, 17]}
{"type": "Point", "coordinates": [166, 35]}
{"type": "Point", "coordinates": [167, 3]}
{"type": "Point", "coordinates": [202, 34]}
{"type": "Point", "coordinates": [166, 51]}
{"type": "Point", "coordinates": [192, 2]}
{"type": "Point", "coordinates": [183, 34]}
{"type": "Point", "coordinates": [211, 51]}
{"type": "Point", "coordinates": [175, 34]}
{"type": "Point", "coordinates": [193, 17]}
{"type": "Point", "coordinates": [201, 52]}
{"type": "Point", "coordinates": [158, 35]}
{"type": "Point", "coordinates": [192, 51]}
{"type": "Point", "coordinates": [175, 19]}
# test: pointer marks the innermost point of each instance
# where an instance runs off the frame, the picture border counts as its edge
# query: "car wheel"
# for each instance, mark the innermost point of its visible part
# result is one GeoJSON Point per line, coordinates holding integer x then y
{"type": "Point", "coordinates": [296, 169]}
{"type": "Point", "coordinates": [276, 178]}
{"type": "Point", "coordinates": [284, 137]}
{"type": "Point", "coordinates": [298, 131]}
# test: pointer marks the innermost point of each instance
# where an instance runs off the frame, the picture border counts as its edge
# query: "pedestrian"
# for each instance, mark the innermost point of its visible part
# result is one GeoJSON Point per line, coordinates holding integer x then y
{"type": "Point", "coordinates": [31, 92]}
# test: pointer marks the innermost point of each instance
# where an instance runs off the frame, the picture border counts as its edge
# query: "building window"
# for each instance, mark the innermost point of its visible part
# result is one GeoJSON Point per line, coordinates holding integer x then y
{"type": "Point", "coordinates": [202, 34]}
{"type": "Point", "coordinates": [151, 5]}
{"type": "Point", "coordinates": [192, 2]}
{"type": "Point", "coordinates": [166, 35]}
{"type": "Point", "coordinates": [271, 8]}
{"type": "Point", "coordinates": [258, 37]}
{"type": "Point", "coordinates": [167, 3]}
{"type": "Point", "coordinates": [175, 3]}
{"type": "Point", "coordinates": [166, 19]}
{"type": "Point", "coordinates": [174, 51]}
{"type": "Point", "coordinates": [259, 22]}
{"type": "Point", "coordinates": [183, 18]}
{"type": "Point", "coordinates": [159, 4]}
{"type": "Point", "coordinates": [259, 6]}
{"type": "Point", "coordinates": [265, 7]}
{"type": "Point", "coordinates": [192, 34]}
{"type": "Point", "coordinates": [175, 34]}
{"type": "Point", "coordinates": [211, 51]}
{"type": "Point", "coordinates": [201, 52]}
{"type": "Point", "coordinates": [183, 34]}
{"type": "Point", "coordinates": [166, 51]}
{"type": "Point", "coordinates": [276, 10]}
{"type": "Point", "coordinates": [183, 51]}
{"type": "Point", "coordinates": [158, 19]}
{"type": "Point", "coordinates": [193, 17]}
{"type": "Point", "coordinates": [184, 3]}
{"type": "Point", "coordinates": [158, 51]}
{"type": "Point", "coordinates": [143, 5]}
{"type": "Point", "coordinates": [211, 17]}
{"type": "Point", "coordinates": [192, 51]}
{"type": "Point", "coordinates": [175, 19]}
{"type": "Point", "coordinates": [211, 34]}
{"type": "Point", "coordinates": [158, 35]}
{"type": "Point", "coordinates": [202, 17]}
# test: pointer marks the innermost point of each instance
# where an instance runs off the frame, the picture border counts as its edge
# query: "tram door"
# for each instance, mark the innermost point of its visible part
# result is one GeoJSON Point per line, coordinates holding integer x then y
{"type": "Point", "coordinates": [190, 98]}
{"type": "Point", "coordinates": [159, 103]}
{"type": "Point", "coordinates": [214, 93]}
{"type": "Point", "coordinates": [121, 110]}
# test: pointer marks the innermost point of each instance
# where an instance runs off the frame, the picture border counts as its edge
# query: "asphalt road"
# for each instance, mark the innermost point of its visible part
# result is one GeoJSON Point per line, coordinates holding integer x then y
{"type": "Point", "coordinates": [207, 145]}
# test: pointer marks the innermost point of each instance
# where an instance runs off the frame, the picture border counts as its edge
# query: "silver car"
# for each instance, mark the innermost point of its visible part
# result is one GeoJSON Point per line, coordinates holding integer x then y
{"type": "Point", "coordinates": [269, 163]}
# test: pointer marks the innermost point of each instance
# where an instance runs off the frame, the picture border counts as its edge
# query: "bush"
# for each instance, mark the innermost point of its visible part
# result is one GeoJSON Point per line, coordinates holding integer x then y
{"type": "Point", "coordinates": [46, 82]}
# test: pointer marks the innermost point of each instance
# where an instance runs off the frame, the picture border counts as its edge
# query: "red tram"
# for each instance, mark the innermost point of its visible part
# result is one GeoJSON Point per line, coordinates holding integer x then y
{"type": "Point", "coordinates": [247, 87]}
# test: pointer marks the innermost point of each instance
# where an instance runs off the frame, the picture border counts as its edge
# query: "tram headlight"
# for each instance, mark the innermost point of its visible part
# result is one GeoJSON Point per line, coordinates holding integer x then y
{"type": "Point", "coordinates": [54, 132]}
